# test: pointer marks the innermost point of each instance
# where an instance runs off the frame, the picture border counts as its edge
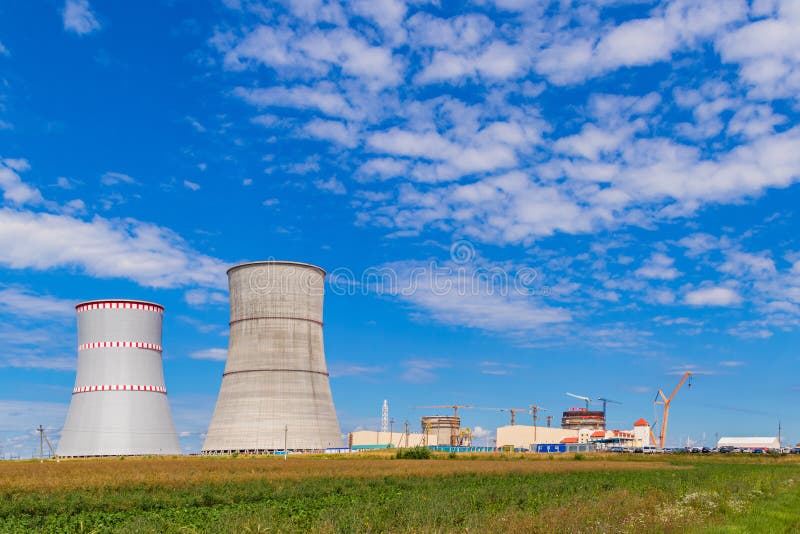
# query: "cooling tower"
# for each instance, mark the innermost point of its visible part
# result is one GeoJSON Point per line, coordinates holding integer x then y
{"type": "Point", "coordinates": [275, 386]}
{"type": "Point", "coordinates": [119, 403]}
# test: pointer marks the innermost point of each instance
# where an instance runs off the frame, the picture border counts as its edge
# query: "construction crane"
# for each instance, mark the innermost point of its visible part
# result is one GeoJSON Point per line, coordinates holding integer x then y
{"type": "Point", "coordinates": [454, 407]}
{"type": "Point", "coordinates": [666, 402]}
{"type": "Point", "coordinates": [605, 400]}
{"type": "Point", "coordinates": [535, 410]}
{"type": "Point", "coordinates": [587, 400]}
{"type": "Point", "coordinates": [514, 412]}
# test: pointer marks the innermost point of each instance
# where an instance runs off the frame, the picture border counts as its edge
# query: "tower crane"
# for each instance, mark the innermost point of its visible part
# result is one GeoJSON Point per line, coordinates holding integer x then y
{"type": "Point", "coordinates": [454, 407]}
{"type": "Point", "coordinates": [535, 410]}
{"type": "Point", "coordinates": [666, 402]}
{"type": "Point", "coordinates": [605, 401]}
{"type": "Point", "coordinates": [587, 400]}
{"type": "Point", "coordinates": [514, 412]}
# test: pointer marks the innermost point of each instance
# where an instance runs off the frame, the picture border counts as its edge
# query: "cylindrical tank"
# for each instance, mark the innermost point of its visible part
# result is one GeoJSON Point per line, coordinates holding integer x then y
{"type": "Point", "coordinates": [275, 390]}
{"type": "Point", "coordinates": [444, 427]}
{"type": "Point", "coordinates": [119, 402]}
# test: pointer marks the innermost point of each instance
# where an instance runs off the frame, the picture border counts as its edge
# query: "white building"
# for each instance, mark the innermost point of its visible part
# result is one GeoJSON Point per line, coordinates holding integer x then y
{"type": "Point", "coordinates": [523, 436]}
{"type": "Point", "coordinates": [767, 443]}
{"type": "Point", "coordinates": [372, 439]}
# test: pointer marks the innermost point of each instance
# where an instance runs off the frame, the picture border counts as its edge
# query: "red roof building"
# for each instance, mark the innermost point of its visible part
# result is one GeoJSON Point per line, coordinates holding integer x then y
{"type": "Point", "coordinates": [569, 440]}
{"type": "Point", "coordinates": [641, 422]}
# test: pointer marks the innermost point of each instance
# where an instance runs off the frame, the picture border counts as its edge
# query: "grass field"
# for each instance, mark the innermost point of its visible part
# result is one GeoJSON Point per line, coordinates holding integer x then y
{"type": "Point", "coordinates": [377, 493]}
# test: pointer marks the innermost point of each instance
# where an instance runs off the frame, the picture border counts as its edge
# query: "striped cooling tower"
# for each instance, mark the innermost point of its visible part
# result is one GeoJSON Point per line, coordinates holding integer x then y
{"type": "Point", "coordinates": [275, 386]}
{"type": "Point", "coordinates": [119, 403]}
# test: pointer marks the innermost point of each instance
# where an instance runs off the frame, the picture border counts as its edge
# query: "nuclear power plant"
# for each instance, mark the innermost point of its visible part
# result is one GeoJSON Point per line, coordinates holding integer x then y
{"type": "Point", "coordinates": [119, 402]}
{"type": "Point", "coordinates": [275, 391]}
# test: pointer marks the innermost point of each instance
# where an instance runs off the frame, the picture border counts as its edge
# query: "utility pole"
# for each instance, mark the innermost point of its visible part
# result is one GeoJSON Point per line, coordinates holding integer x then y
{"type": "Point", "coordinates": [285, 442]}
{"type": "Point", "coordinates": [549, 418]}
{"type": "Point", "coordinates": [780, 443]}
{"type": "Point", "coordinates": [406, 433]}
{"type": "Point", "coordinates": [391, 431]}
{"type": "Point", "coordinates": [41, 443]}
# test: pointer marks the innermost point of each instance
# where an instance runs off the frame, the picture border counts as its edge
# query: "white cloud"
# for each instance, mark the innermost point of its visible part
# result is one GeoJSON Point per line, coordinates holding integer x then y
{"type": "Point", "coordinates": [78, 17]}
{"type": "Point", "coordinates": [573, 58]}
{"type": "Point", "coordinates": [219, 355]}
{"type": "Point", "coordinates": [458, 33]}
{"type": "Point", "coordinates": [335, 131]}
{"type": "Point", "coordinates": [22, 416]}
{"type": "Point", "coordinates": [383, 168]}
{"type": "Point", "coordinates": [196, 124]}
{"type": "Point", "coordinates": [732, 363]}
{"type": "Point", "coordinates": [713, 296]}
{"type": "Point", "coordinates": [14, 190]}
{"type": "Point", "coordinates": [338, 370]}
{"type": "Point", "coordinates": [314, 50]}
{"type": "Point", "coordinates": [767, 51]}
{"type": "Point", "coordinates": [470, 296]}
{"type": "Point", "coordinates": [114, 178]}
{"type": "Point", "coordinates": [422, 371]}
{"type": "Point", "coordinates": [331, 185]}
{"type": "Point", "coordinates": [191, 185]}
{"type": "Point", "coordinates": [323, 97]}
{"type": "Point", "coordinates": [202, 297]}
{"type": "Point", "coordinates": [3, 50]}
{"type": "Point", "coordinates": [498, 60]}
{"type": "Point", "coordinates": [21, 302]}
{"type": "Point", "coordinates": [105, 248]}
{"type": "Point", "coordinates": [271, 202]}
{"type": "Point", "coordinates": [658, 267]}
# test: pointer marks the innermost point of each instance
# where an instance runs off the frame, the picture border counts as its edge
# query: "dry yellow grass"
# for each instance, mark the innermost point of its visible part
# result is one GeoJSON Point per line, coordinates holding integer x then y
{"type": "Point", "coordinates": [180, 471]}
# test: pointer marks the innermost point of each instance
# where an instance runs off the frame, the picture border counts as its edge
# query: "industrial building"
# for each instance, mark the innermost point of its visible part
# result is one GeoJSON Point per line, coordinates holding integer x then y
{"type": "Point", "coordinates": [119, 402]}
{"type": "Point", "coordinates": [577, 418]}
{"type": "Point", "coordinates": [528, 437]}
{"type": "Point", "coordinates": [275, 391]}
{"type": "Point", "coordinates": [371, 439]}
{"type": "Point", "coordinates": [750, 443]}
{"type": "Point", "coordinates": [522, 436]}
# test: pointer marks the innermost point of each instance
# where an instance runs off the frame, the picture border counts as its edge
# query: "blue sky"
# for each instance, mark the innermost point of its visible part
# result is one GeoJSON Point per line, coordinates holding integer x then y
{"type": "Point", "coordinates": [627, 170]}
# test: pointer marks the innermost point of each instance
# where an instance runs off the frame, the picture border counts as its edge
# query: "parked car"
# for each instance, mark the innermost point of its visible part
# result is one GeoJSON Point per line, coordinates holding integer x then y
{"type": "Point", "coordinates": [616, 449]}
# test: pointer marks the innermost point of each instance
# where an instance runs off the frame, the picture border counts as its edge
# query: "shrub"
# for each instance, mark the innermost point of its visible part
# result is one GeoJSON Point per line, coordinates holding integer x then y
{"type": "Point", "coordinates": [414, 453]}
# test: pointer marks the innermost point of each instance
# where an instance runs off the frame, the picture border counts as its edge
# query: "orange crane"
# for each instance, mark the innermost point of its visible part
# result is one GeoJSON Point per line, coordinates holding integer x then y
{"type": "Point", "coordinates": [535, 409]}
{"type": "Point", "coordinates": [666, 402]}
{"type": "Point", "coordinates": [514, 412]}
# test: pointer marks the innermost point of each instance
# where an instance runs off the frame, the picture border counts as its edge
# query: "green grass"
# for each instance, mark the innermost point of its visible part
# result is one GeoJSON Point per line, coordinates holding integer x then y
{"type": "Point", "coordinates": [712, 495]}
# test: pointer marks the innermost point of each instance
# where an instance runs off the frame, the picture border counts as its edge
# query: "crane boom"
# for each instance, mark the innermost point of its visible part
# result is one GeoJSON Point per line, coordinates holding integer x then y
{"type": "Point", "coordinates": [587, 400]}
{"type": "Point", "coordinates": [666, 402]}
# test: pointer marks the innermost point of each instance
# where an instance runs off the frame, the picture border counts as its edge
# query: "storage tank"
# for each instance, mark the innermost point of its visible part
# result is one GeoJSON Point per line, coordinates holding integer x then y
{"type": "Point", "coordinates": [444, 427]}
{"type": "Point", "coordinates": [275, 390]}
{"type": "Point", "coordinates": [119, 402]}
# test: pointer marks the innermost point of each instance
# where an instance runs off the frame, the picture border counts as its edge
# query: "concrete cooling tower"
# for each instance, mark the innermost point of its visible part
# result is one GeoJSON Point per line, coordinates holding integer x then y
{"type": "Point", "coordinates": [119, 403]}
{"type": "Point", "coordinates": [275, 386]}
